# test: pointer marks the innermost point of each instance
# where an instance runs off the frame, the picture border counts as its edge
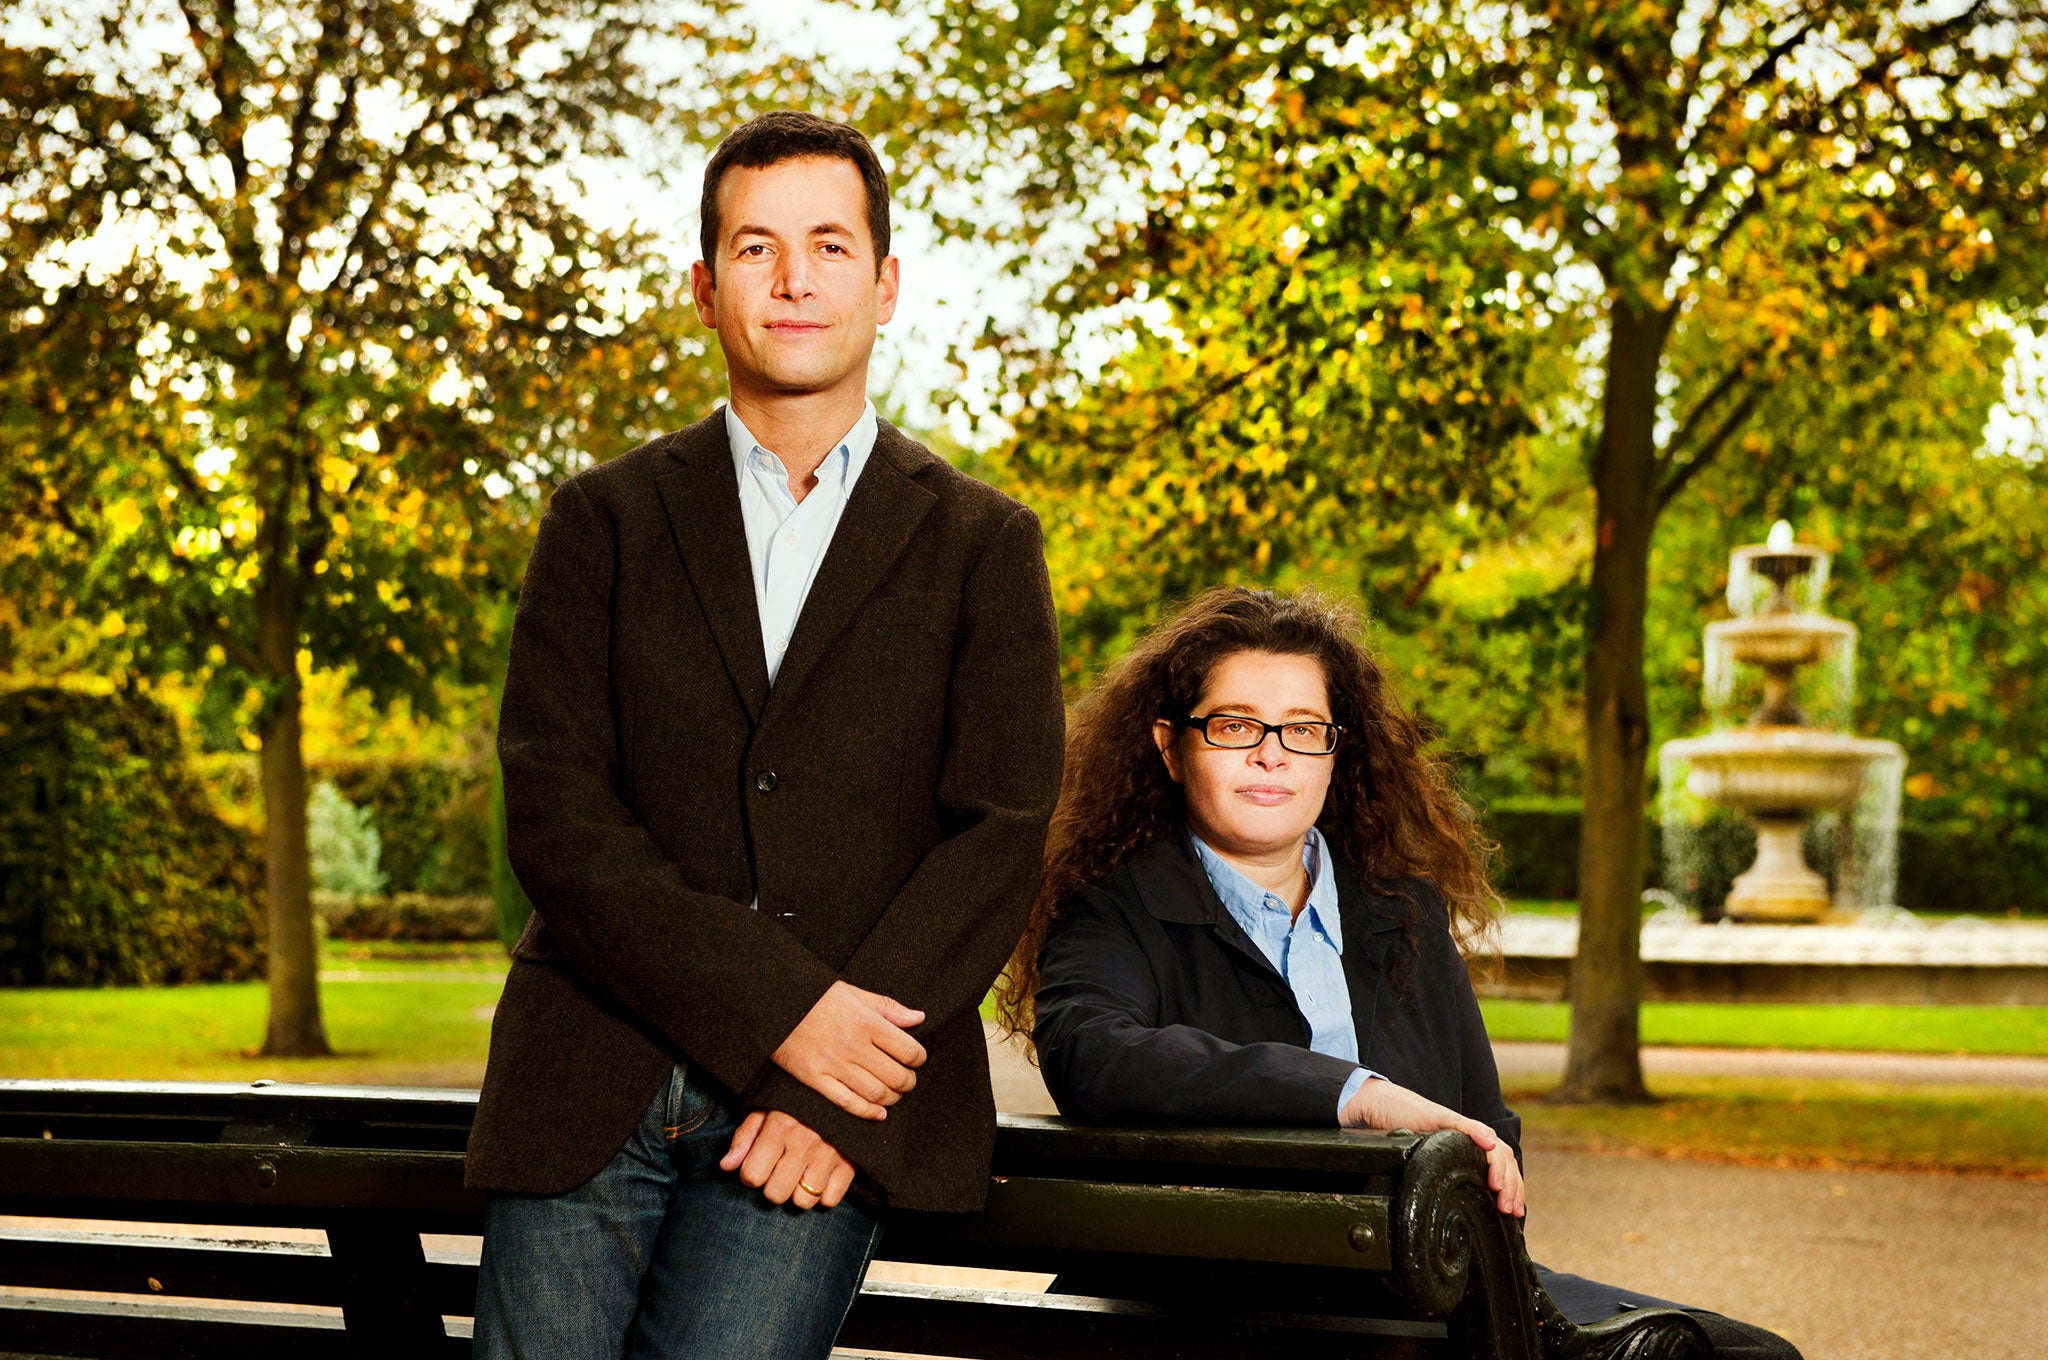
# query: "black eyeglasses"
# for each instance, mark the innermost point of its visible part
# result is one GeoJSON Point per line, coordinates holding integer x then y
{"type": "Point", "coordinates": [1237, 732]}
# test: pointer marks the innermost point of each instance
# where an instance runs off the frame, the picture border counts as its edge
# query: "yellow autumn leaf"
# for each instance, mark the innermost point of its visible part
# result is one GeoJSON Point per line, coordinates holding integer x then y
{"type": "Point", "coordinates": [124, 517]}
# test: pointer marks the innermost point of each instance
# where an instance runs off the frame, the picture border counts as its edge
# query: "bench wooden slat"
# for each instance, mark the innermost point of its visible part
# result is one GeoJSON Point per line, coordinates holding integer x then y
{"type": "Point", "coordinates": [116, 1263]}
{"type": "Point", "coordinates": [1030, 1221]}
{"type": "Point", "coordinates": [94, 1330]}
{"type": "Point", "coordinates": [42, 1171]}
{"type": "Point", "coordinates": [976, 1323]}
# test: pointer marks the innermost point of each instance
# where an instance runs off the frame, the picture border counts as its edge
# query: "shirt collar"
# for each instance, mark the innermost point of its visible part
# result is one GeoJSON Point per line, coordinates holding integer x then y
{"type": "Point", "coordinates": [1245, 900]}
{"type": "Point", "coordinates": [856, 445]}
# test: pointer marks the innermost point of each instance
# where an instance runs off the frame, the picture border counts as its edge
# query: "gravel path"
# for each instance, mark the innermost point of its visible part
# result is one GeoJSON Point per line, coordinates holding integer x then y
{"type": "Point", "coordinates": [1875, 1265]}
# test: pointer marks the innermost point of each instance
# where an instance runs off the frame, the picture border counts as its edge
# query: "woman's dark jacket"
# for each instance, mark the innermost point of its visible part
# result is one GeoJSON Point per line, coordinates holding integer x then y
{"type": "Point", "coordinates": [1154, 1004]}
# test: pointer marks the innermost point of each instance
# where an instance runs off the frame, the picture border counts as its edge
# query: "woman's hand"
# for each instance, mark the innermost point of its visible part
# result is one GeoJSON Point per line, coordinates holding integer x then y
{"type": "Point", "coordinates": [787, 1161]}
{"type": "Point", "coordinates": [1504, 1175]}
{"type": "Point", "coordinates": [1380, 1104]}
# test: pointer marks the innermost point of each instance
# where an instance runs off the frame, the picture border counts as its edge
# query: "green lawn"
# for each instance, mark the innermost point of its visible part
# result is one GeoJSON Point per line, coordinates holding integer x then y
{"type": "Point", "coordinates": [407, 1031]}
{"type": "Point", "coordinates": [1706, 1024]}
{"type": "Point", "coordinates": [1811, 1123]}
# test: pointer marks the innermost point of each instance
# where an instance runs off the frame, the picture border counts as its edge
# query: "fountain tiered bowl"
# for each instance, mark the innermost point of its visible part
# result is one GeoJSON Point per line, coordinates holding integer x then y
{"type": "Point", "coordinates": [1780, 771]}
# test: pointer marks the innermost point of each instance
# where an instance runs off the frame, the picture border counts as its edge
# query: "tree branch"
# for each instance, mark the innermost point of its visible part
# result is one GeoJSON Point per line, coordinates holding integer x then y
{"type": "Point", "coordinates": [1676, 478]}
{"type": "Point", "coordinates": [210, 626]}
{"type": "Point", "coordinates": [1694, 68]}
{"type": "Point", "coordinates": [1728, 382]}
{"type": "Point", "coordinates": [1766, 65]}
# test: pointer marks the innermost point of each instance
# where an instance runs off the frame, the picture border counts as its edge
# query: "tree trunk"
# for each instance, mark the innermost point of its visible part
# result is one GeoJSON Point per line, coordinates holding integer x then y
{"type": "Point", "coordinates": [296, 1029]}
{"type": "Point", "coordinates": [1603, 1062]}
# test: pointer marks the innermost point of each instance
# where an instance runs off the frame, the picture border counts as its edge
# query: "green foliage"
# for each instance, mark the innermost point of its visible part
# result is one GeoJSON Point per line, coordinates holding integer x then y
{"type": "Point", "coordinates": [112, 867]}
{"type": "Point", "coordinates": [359, 321]}
{"type": "Point", "coordinates": [343, 842]}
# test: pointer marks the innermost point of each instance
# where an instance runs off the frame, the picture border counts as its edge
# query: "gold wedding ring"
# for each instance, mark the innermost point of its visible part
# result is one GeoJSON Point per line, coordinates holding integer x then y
{"type": "Point", "coordinates": [808, 1188]}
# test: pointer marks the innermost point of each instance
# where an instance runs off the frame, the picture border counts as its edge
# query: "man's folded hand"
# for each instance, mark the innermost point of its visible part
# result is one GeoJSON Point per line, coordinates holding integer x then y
{"type": "Point", "coordinates": [787, 1161]}
{"type": "Point", "coordinates": [854, 1048]}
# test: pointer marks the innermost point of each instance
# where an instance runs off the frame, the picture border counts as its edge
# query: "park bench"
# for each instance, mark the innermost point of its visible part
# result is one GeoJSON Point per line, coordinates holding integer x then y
{"type": "Point", "coordinates": [1400, 1227]}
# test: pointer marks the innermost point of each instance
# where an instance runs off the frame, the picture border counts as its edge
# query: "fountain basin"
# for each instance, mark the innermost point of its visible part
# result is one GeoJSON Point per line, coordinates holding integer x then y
{"type": "Point", "coordinates": [1780, 771]}
{"type": "Point", "coordinates": [1781, 639]}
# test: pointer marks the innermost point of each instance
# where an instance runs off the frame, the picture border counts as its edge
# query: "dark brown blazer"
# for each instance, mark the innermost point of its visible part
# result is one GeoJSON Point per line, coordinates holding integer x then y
{"type": "Point", "coordinates": [887, 800]}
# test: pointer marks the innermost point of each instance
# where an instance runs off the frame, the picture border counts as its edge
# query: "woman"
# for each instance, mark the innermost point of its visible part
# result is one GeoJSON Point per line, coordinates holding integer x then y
{"type": "Point", "coordinates": [1258, 888]}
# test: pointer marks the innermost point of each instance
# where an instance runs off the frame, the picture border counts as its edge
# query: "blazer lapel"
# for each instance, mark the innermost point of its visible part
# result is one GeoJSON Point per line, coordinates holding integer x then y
{"type": "Point", "coordinates": [881, 516]}
{"type": "Point", "coordinates": [1368, 935]}
{"type": "Point", "coordinates": [702, 497]}
{"type": "Point", "coordinates": [1170, 881]}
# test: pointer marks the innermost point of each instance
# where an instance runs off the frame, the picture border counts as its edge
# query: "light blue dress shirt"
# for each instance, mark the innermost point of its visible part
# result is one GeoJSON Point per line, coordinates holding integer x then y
{"type": "Point", "coordinates": [1306, 950]}
{"type": "Point", "coordinates": [787, 538]}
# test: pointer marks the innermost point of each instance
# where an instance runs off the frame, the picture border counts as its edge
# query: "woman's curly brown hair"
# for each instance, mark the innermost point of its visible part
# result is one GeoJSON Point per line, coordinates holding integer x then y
{"type": "Point", "coordinates": [1392, 809]}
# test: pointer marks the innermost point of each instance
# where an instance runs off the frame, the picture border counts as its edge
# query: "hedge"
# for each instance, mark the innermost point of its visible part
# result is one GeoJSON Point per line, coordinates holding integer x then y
{"type": "Point", "coordinates": [113, 866]}
{"type": "Point", "coordinates": [1982, 872]}
{"type": "Point", "coordinates": [406, 916]}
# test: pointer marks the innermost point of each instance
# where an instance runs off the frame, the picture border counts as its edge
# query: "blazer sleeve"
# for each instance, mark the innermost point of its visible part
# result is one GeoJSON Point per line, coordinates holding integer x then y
{"type": "Point", "coordinates": [723, 984]}
{"type": "Point", "coordinates": [1482, 1098]}
{"type": "Point", "coordinates": [1105, 1056]}
{"type": "Point", "coordinates": [942, 939]}
{"type": "Point", "coordinates": [1479, 1077]}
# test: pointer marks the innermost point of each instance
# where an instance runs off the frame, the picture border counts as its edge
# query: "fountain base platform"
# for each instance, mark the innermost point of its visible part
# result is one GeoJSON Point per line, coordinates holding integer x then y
{"type": "Point", "coordinates": [1963, 962]}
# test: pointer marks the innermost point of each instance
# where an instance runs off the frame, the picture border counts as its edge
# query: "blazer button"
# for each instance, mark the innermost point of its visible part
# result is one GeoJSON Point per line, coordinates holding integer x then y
{"type": "Point", "coordinates": [765, 781]}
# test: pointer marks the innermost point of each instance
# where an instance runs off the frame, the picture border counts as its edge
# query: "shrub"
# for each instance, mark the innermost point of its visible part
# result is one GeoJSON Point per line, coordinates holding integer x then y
{"type": "Point", "coordinates": [431, 817]}
{"type": "Point", "coordinates": [113, 867]}
{"type": "Point", "coordinates": [344, 846]}
{"type": "Point", "coordinates": [406, 916]}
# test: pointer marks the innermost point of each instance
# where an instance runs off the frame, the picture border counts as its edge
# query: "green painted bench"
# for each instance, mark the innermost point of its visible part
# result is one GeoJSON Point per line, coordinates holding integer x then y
{"type": "Point", "coordinates": [1400, 1229]}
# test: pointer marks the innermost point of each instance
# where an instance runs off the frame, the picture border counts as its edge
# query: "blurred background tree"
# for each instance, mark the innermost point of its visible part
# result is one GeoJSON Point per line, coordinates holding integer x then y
{"type": "Point", "coordinates": [1360, 288]}
{"type": "Point", "coordinates": [306, 304]}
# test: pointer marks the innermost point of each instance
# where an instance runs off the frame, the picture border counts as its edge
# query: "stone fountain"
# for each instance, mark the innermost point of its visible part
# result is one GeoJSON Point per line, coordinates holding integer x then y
{"type": "Point", "coordinates": [1782, 767]}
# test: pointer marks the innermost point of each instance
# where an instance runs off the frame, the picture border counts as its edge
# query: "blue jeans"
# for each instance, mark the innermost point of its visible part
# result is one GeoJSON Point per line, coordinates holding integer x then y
{"type": "Point", "coordinates": [661, 1254]}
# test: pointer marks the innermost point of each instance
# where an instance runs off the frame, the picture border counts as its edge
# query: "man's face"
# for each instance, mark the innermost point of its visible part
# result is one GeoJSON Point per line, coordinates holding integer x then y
{"type": "Point", "coordinates": [796, 297]}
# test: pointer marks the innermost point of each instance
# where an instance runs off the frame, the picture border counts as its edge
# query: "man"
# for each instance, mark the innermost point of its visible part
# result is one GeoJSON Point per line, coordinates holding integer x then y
{"type": "Point", "coordinates": [780, 738]}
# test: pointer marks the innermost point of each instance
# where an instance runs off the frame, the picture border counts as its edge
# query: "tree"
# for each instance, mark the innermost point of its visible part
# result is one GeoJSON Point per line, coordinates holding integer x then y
{"type": "Point", "coordinates": [304, 304]}
{"type": "Point", "coordinates": [1741, 203]}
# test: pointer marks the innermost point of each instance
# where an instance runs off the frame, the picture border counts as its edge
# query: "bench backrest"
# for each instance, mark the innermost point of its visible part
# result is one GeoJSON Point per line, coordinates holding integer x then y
{"type": "Point", "coordinates": [1396, 1225]}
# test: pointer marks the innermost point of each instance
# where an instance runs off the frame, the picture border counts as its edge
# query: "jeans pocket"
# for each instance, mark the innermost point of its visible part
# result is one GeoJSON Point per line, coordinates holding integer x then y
{"type": "Point", "coordinates": [689, 1105]}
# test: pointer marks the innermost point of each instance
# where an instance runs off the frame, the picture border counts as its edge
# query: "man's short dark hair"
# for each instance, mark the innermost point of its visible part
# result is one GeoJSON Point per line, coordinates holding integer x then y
{"type": "Point", "coordinates": [786, 135]}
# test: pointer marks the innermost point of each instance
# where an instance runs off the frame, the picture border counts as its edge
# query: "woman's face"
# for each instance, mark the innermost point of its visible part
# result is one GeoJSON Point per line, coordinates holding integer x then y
{"type": "Point", "coordinates": [1265, 798]}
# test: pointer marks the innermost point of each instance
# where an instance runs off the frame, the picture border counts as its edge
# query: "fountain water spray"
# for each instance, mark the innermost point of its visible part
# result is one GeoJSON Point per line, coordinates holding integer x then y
{"type": "Point", "coordinates": [1786, 766]}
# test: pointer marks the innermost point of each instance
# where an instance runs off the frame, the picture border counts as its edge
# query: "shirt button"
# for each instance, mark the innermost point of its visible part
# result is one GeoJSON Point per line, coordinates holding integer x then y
{"type": "Point", "coordinates": [790, 537]}
{"type": "Point", "coordinates": [766, 781]}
